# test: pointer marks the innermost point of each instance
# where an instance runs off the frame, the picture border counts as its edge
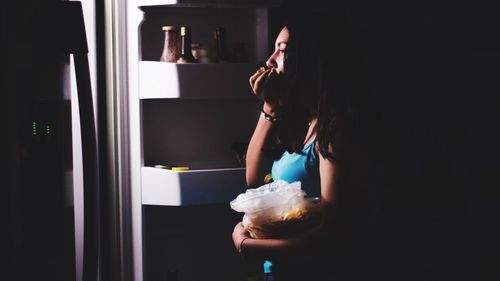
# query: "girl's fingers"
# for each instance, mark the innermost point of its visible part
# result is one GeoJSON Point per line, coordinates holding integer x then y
{"type": "Point", "coordinates": [258, 82]}
{"type": "Point", "coordinates": [254, 77]}
{"type": "Point", "coordinates": [257, 74]}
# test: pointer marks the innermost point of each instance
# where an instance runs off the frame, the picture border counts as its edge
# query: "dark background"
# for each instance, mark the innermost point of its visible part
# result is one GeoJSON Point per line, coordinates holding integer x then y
{"type": "Point", "coordinates": [432, 212]}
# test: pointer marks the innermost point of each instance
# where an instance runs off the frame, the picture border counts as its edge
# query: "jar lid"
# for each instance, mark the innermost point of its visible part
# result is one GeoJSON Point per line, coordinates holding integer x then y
{"type": "Point", "coordinates": [168, 27]}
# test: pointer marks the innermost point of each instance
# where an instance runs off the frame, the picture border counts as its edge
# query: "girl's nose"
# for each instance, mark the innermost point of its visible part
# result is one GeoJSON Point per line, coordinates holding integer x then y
{"type": "Point", "coordinates": [271, 62]}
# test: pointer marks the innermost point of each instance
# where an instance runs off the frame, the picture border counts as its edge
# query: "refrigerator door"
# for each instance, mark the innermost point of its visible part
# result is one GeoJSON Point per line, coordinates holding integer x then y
{"type": "Point", "coordinates": [40, 208]}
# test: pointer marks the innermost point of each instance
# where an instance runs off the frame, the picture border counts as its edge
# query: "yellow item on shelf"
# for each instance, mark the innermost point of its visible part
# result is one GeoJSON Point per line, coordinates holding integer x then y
{"type": "Point", "coordinates": [180, 168]}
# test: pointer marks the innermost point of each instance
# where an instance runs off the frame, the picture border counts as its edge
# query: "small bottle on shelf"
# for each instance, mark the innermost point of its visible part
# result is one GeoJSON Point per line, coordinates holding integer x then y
{"type": "Point", "coordinates": [186, 51]}
{"type": "Point", "coordinates": [221, 52]}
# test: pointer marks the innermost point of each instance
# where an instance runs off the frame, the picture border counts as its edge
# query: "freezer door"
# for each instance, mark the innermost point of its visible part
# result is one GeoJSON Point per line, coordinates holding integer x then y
{"type": "Point", "coordinates": [38, 184]}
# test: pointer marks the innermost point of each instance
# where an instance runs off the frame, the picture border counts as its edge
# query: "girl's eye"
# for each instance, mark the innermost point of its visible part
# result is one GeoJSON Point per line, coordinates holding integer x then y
{"type": "Point", "coordinates": [282, 47]}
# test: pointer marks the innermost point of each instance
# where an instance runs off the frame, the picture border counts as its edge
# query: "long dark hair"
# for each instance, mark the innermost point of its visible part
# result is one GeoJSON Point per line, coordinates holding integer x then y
{"type": "Point", "coordinates": [328, 74]}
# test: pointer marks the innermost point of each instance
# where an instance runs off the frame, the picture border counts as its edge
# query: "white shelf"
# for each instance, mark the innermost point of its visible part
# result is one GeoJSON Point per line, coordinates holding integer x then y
{"type": "Point", "coordinates": [206, 2]}
{"type": "Point", "coordinates": [162, 80]}
{"type": "Point", "coordinates": [192, 187]}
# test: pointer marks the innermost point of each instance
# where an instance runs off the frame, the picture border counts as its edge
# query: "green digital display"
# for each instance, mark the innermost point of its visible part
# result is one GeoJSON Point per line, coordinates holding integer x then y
{"type": "Point", "coordinates": [34, 128]}
{"type": "Point", "coordinates": [47, 129]}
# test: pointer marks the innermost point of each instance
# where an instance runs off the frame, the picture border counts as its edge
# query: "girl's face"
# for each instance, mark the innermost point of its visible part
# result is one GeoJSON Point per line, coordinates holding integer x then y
{"type": "Point", "coordinates": [277, 59]}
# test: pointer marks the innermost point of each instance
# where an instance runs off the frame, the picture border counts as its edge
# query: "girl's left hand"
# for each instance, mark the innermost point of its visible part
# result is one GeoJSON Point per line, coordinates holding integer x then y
{"type": "Point", "coordinates": [258, 81]}
{"type": "Point", "coordinates": [239, 233]}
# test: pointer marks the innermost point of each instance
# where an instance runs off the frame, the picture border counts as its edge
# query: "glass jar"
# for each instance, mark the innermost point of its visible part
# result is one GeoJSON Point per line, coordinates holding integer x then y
{"type": "Point", "coordinates": [171, 50]}
{"type": "Point", "coordinates": [200, 52]}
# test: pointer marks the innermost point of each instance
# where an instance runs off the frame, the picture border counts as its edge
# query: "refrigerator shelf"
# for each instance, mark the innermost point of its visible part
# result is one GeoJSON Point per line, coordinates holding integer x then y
{"type": "Point", "coordinates": [192, 187]}
{"type": "Point", "coordinates": [161, 80]}
{"type": "Point", "coordinates": [201, 3]}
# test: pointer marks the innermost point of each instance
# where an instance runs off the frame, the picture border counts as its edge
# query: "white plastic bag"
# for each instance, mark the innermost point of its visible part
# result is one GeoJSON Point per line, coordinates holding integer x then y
{"type": "Point", "coordinates": [277, 209]}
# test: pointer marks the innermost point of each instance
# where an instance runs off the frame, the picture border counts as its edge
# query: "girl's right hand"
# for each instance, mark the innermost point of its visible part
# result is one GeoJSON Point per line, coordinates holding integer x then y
{"type": "Point", "coordinates": [239, 234]}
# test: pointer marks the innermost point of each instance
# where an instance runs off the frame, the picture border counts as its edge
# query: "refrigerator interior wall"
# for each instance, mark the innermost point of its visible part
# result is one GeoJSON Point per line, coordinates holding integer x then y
{"type": "Point", "coordinates": [197, 133]}
{"type": "Point", "coordinates": [194, 243]}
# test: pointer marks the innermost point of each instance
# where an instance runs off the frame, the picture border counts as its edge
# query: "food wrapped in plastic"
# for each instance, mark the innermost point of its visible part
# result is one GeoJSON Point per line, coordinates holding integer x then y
{"type": "Point", "coordinates": [277, 209]}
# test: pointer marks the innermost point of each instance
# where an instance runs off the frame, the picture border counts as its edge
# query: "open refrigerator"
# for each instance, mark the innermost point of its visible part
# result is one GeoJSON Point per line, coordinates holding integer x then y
{"type": "Point", "coordinates": [195, 115]}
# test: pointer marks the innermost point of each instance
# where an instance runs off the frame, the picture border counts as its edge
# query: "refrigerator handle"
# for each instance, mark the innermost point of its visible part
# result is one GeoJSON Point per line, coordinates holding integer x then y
{"type": "Point", "coordinates": [91, 237]}
{"type": "Point", "coordinates": [76, 43]}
